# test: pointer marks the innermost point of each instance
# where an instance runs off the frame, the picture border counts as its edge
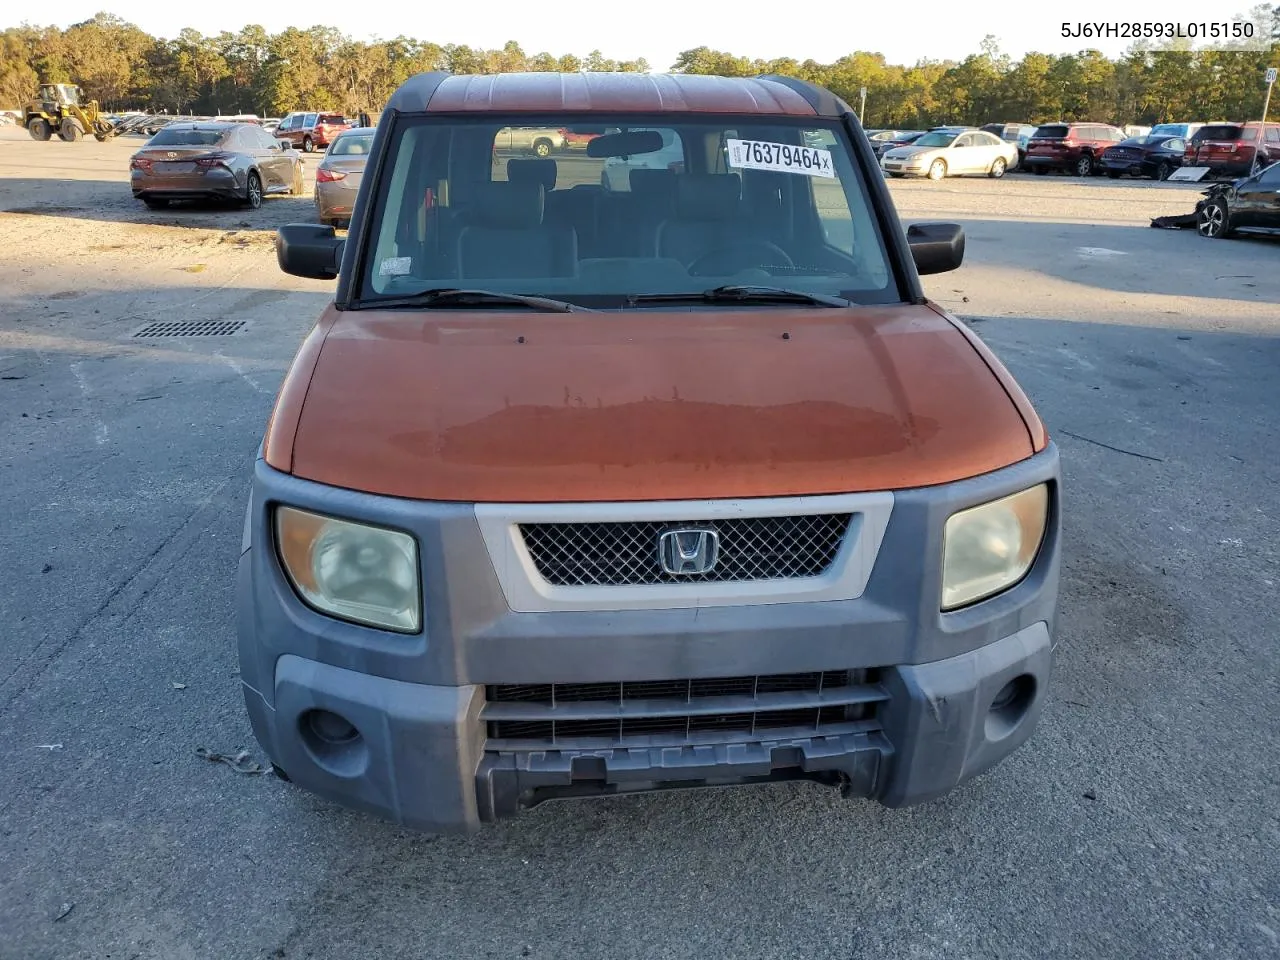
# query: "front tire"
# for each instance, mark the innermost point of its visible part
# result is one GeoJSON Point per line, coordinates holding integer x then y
{"type": "Point", "coordinates": [1214, 221]}
{"type": "Point", "coordinates": [71, 130]}
{"type": "Point", "coordinates": [998, 168]}
{"type": "Point", "coordinates": [253, 191]}
{"type": "Point", "coordinates": [1084, 166]}
{"type": "Point", "coordinates": [938, 169]}
{"type": "Point", "coordinates": [39, 129]}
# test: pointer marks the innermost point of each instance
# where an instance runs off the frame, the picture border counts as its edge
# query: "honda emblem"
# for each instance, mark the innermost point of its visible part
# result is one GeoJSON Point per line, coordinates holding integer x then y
{"type": "Point", "coordinates": [688, 551]}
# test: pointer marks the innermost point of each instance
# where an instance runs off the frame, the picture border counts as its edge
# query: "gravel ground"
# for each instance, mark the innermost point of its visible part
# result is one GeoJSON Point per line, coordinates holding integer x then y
{"type": "Point", "coordinates": [1140, 821]}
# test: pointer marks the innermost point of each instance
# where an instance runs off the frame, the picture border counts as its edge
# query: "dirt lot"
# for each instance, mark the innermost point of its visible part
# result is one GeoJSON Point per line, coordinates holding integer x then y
{"type": "Point", "coordinates": [1141, 821]}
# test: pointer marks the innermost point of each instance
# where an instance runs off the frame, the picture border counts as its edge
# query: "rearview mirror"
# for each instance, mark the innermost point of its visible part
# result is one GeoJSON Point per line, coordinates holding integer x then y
{"type": "Point", "coordinates": [936, 247]}
{"type": "Point", "coordinates": [625, 144]}
{"type": "Point", "coordinates": [309, 250]}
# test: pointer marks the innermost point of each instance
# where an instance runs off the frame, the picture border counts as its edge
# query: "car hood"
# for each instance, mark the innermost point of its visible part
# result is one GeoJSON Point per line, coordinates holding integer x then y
{"type": "Point", "coordinates": [903, 153]}
{"type": "Point", "coordinates": [501, 407]}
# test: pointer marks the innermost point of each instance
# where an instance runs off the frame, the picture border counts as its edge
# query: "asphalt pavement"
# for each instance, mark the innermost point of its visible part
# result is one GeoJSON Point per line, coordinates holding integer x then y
{"type": "Point", "coordinates": [1141, 821]}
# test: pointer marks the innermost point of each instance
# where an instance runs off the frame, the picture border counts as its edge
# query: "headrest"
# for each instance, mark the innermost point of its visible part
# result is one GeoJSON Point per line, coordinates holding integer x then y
{"type": "Point", "coordinates": [533, 170]}
{"type": "Point", "coordinates": [356, 148]}
{"type": "Point", "coordinates": [657, 184]}
{"type": "Point", "coordinates": [506, 205]}
{"type": "Point", "coordinates": [707, 196]}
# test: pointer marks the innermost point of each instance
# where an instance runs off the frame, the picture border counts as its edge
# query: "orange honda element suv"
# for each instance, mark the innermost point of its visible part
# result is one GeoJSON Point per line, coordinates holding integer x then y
{"type": "Point", "coordinates": [584, 485]}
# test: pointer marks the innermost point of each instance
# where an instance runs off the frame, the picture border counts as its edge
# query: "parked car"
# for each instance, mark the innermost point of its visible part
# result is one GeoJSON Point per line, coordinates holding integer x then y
{"type": "Point", "coordinates": [1230, 149]}
{"type": "Point", "coordinates": [574, 141]}
{"type": "Point", "coordinates": [1074, 147]}
{"type": "Point", "coordinates": [1251, 205]}
{"type": "Point", "coordinates": [881, 139]}
{"type": "Point", "coordinates": [1154, 156]}
{"type": "Point", "coordinates": [616, 174]}
{"type": "Point", "coordinates": [463, 591]}
{"type": "Point", "coordinates": [950, 153]}
{"type": "Point", "coordinates": [903, 138]}
{"type": "Point", "coordinates": [214, 160]}
{"type": "Point", "coordinates": [339, 174]}
{"type": "Point", "coordinates": [1184, 130]}
{"type": "Point", "coordinates": [539, 141]}
{"type": "Point", "coordinates": [311, 131]}
{"type": "Point", "coordinates": [1131, 130]}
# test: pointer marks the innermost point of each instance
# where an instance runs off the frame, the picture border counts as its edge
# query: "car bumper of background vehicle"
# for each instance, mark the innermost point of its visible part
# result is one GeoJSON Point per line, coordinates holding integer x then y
{"type": "Point", "coordinates": [1049, 163]}
{"type": "Point", "coordinates": [335, 201]}
{"type": "Point", "coordinates": [420, 759]}
{"type": "Point", "coordinates": [216, 182]}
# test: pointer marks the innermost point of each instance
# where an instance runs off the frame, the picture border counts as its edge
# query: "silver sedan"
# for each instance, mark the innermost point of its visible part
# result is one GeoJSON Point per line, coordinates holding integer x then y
{"type": "Point", "coordinates": [339, 173]}
{"type": "Point", "coordinates": [950, 153]}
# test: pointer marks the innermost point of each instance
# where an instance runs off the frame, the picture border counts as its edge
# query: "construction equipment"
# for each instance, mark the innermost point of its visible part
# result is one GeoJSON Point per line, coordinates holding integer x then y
{"type": "Point", "coordinates": [58, 108]}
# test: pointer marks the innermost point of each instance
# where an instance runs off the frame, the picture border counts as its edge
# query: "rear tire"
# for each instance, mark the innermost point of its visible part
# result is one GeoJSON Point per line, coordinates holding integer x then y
{"type": "Point", "coordinates": [71, 130]}
{"type": "Point", "coordinates": [39, 129]}
{"type": "Point", "coordinates": [1164, 171]}
{"type": "Point", "coordinates": [156, 203]}
{"type": "Point", "coordinates": [1084, 166]}
{"type": "Point", "coordinates": [542, 148]}
{"type": "Point", "coordinates": [253, 191]}
{"type": "Point", "coordinates": [307, 145]}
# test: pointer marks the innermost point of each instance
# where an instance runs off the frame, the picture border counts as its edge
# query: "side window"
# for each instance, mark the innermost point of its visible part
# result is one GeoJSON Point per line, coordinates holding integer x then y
{"type": "Point", "coordinates": [964, 141]}
{"type": "Point", "coordinates": [310, 121]}
{"type": "Point", "coordinates": [266, 139]}
{"type": "Point", "coordinates": [1176, 145]}
{"type": "Point", "coordinates": [1249, 133]}
{"type": "Point", "coordinates": [287, 123]}
{"type": "Point", "coordinates": [1273, 134]}
{"type": "Point", "coordinates": [1271, 176]}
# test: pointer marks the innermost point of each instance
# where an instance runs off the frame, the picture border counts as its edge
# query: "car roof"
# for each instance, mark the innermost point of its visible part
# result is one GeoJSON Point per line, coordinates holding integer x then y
{"type": "Point", "coordinates": [614, 92]}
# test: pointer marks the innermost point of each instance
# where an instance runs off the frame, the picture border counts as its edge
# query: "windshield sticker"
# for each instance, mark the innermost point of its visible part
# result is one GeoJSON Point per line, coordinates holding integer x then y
{"type": "Point", "coordinates": [780, 157]}
{"type": "Point", "coordinates": [395, 267]}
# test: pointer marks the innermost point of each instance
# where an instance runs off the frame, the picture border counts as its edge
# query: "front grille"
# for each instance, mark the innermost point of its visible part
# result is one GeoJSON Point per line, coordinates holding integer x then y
{"type": "Point", "coordinates": [626, 553]}
{"type": "Point", "coordinates": [679, 711]}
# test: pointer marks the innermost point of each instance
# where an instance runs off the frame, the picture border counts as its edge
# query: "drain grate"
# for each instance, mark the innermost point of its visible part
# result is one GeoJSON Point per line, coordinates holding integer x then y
{"type": "Point", "coordinates": [192, 328]}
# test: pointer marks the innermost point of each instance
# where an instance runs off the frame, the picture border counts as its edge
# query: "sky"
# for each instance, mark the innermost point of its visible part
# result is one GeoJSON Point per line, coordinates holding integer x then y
{"type": "Point", "coordinates": [659, 29]}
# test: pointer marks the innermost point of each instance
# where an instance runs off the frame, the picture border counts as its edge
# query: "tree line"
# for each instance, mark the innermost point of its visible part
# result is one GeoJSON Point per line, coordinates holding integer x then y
{"type": "Point", "coordinates": [252, 71]}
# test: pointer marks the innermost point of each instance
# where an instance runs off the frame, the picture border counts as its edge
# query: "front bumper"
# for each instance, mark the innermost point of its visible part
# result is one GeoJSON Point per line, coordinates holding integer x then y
{"type": "Point", "coordinates": [430, 755]}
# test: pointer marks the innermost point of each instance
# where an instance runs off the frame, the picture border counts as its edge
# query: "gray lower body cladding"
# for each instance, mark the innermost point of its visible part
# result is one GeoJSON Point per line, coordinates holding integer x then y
{"type": "Point", "coordinates": [497, 705]}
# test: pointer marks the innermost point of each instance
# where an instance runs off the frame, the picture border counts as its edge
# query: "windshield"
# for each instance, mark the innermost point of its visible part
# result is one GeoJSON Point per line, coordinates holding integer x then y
{"type": "Point", "coordinates": [1169, 129]}
{"type": "Point", "coordinates": [1055, 132]}
{"type": "Point", "coordinates": [179, 137]}
{"type": "Point", "coordinates": [935, 140]}
{"type": "Point", "coordinates": [674, 205]}
{"type": "Point", "coordinates": [351, 146]}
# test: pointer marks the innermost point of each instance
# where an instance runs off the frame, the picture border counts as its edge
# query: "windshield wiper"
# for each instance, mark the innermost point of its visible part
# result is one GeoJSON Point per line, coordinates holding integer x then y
{"type": "Point", "coordinates": [447, 297]}
{"type": "Point", "coordinates": [743, 293]}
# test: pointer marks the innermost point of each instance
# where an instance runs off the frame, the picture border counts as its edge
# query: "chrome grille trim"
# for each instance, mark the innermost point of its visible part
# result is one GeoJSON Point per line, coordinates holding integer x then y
{"type": "Point", "coordinates": [842, 576]}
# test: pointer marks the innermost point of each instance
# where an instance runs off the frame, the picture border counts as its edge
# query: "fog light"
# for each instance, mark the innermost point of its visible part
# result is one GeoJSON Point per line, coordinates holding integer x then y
{"type": "Point", "coordinates": [330, 728]}
{"type": "Point", "coordinates": [1010, 706]}
{"type": "Point", "coordinates": [334, 743]}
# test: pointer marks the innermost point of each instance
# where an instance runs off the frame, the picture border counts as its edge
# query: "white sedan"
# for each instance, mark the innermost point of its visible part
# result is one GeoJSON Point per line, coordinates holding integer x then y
{"type": "Point", "coordinates": [951, 153]}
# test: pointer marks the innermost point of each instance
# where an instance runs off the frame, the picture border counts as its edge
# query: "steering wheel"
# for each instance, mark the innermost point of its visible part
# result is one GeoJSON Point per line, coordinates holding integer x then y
{"type": "Point", "coordinates": [727, 260]}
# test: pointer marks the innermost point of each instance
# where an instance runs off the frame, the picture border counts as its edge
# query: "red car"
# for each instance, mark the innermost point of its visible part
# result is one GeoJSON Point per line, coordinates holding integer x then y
{"type": "Point", "coordinates": [1074, 147]}
{"type": "Point", "coordinates": [1230, 148]}
{"type": "Point", "coordinates": [311, 131]}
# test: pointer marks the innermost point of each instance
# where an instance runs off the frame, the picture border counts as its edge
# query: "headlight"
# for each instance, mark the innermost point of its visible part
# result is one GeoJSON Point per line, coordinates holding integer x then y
{"type": "Point", "coordinates": [989, 548]}
{"type": "Point", "coordinates": [351, 570]}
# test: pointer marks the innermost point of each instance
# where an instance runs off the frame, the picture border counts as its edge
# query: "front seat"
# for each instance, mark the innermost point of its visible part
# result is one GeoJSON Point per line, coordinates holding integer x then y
{"type": "Point", "coordinates": [504, 235]}
{"type": "Point", "coordinates": [707, 217]}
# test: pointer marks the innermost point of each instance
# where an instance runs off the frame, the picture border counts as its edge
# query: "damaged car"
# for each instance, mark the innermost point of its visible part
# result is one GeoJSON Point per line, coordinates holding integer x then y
{"type": "Point", "coordinates": [1251, 205]}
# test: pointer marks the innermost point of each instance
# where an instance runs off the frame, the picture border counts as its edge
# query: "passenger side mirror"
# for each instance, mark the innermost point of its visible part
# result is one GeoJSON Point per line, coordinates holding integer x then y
{"type": "Point", "coordinates": [309, 250]}
{"type": "Point", "coordinates": [936, 247]}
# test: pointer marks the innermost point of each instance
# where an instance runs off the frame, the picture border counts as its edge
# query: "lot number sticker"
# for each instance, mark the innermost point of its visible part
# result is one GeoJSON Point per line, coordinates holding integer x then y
{"type": "Point", "coordinates": [780, 157]}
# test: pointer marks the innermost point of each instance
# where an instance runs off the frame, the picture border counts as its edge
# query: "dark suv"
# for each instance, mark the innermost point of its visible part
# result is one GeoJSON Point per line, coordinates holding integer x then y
{"type": "Point", "coordinates": [1229, 149]}
{"type": "Point", "coordinates": [1074, 147]}
{"type": "Point", "coordinates": [311, 131]}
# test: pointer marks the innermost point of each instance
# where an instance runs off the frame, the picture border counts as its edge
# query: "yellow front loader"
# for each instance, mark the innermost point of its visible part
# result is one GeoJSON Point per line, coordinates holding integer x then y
{"type": "Point", "coordinates": [58, 108]}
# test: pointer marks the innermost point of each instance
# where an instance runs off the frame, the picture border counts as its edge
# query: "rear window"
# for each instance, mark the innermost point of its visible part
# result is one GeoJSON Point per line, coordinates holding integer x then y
{"type": "Point", "coordinates": [351, 146]}
{"type": "Point", "coordinates": [1052, 132]}
{"type": "Point", "coordinates": [693, 204]}
{"type": "Point", "coordinates": [1219, 131]}
{"type": "Point", "coordinates": [171, 137]}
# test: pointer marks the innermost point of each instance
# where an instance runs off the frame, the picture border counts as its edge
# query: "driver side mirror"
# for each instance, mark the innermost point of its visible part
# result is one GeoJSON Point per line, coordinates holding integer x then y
{"type": "Point", "coordinates": [309, 250]}
{"type": "Point", "coordinates": [936, 247]}
{"type": "Point", "coordinates": [282, 144]}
